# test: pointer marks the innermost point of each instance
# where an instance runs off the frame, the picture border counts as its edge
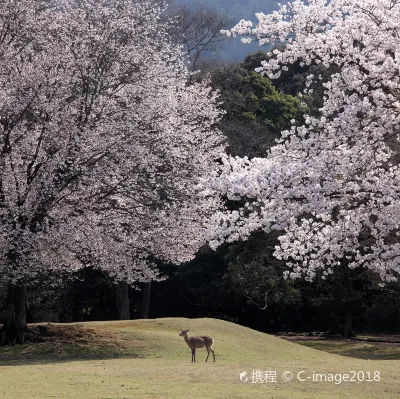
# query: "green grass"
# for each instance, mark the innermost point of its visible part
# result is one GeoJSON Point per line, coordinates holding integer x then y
{"type": "Point", "coordinates": [146, 359]}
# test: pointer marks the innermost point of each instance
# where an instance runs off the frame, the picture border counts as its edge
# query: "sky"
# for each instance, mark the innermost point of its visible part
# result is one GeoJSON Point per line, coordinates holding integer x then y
{"type": "Point", "coordinates": [239, 9]}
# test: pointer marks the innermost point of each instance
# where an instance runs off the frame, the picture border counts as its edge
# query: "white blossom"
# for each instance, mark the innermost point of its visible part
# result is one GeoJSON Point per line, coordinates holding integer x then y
{"type": "Point", "coordinates": [102, 141]}
{"type": "Point", "coordinates": [332, 185]}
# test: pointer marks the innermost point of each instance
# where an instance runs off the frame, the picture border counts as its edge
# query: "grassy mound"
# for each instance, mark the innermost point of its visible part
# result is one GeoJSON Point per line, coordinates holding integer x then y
{"type": "Point", "coordinates": [147, 359]}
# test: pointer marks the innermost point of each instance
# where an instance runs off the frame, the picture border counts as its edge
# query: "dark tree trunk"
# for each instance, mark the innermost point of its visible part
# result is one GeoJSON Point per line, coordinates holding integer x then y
{"type": "Point", "coordinates": [349, 303]}
{"type": "Point", "coordinates": [122, 301]}
{"type": "Point", "coordinates": [348, 326]}
{"type": "Point", "coordinates": [146, 300]}
{"type": "Point", "coordinates": [335, 325]}
{"type": "Point", "coordinates": [15, 327]}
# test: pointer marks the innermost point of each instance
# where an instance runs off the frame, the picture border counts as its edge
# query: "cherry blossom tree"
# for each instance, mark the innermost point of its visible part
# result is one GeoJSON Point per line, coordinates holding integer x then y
{"type": "Point", "coordinates": [332, 185]}
{"type": "Point", "coordinates": [102, 145]}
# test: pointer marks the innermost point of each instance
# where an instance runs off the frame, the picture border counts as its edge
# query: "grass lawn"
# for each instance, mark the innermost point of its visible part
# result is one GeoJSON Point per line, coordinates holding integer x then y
{"type": "Point", "coordinates": [146, 359]}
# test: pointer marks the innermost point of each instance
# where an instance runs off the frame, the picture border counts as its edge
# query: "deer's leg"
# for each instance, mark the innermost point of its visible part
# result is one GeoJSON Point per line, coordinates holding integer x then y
{"type": "Point", "coordinates": [193, 355]}
{"type": "Point", "coordinates": [208, 353]}
{"type": "Point", "coordinates": [212, 350]}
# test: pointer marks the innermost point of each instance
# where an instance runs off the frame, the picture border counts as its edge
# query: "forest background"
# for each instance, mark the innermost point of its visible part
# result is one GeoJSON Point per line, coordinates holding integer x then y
{"type": "Point", "coordinates": [240, 282]}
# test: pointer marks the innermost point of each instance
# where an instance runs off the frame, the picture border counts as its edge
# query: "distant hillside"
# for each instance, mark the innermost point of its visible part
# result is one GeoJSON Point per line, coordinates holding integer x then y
{"type": "Point", "coordinates": [241, 9]}
{"type": "Point", "coordinates": [238, 9]}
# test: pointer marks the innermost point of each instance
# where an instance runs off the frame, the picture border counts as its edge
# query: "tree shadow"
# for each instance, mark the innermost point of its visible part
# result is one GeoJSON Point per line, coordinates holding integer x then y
{"type": "Point", "coordinates": [355, 349]}
{"type": "Point", "coordinates": [59, 344]}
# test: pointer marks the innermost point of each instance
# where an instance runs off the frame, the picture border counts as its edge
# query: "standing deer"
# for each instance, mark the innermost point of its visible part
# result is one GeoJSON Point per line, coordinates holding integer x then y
{"type": "Point", "coordinates": [197, 343]}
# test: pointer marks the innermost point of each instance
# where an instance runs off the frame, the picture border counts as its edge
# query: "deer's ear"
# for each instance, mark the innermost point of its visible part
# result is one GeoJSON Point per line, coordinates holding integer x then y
{"type": "Point", "coordinates": [181, 329]}
{"type": "Point", "coordinates": [187, 330]}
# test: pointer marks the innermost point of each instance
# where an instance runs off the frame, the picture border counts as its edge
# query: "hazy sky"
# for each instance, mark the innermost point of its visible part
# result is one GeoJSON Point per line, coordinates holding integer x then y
{"type": "Point", "coordinates": [239, 9]}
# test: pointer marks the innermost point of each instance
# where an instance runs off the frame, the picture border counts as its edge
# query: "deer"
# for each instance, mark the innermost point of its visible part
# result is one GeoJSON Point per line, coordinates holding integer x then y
{"type": "Point", "coordinates": [197, 343]}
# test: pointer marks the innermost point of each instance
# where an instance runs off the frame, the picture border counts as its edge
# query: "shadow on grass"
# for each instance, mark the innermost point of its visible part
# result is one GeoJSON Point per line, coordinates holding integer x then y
{"type": "Point", "coordinates": [70, 343]}
{"type": "Point", "coordinates": [356, 349]}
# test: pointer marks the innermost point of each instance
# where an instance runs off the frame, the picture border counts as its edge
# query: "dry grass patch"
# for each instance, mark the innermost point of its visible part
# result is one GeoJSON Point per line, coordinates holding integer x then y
{"type": "Point", "coordinates": [65, 342]}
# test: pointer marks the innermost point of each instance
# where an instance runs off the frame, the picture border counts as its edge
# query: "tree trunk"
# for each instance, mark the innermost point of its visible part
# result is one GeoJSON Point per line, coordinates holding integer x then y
{"type": "Point", "coordinates": [348, 300]}
{"type": "Point", "coordinates": [335, 325]}
{"type": "Point", "coordinates": [146, 300]}
{"type": "Point", "coordinates": [122, 301]}
{"type": "Point", "coordinates": [348, 327]}
{"type": "Point", "coordinates": [15, 327]}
